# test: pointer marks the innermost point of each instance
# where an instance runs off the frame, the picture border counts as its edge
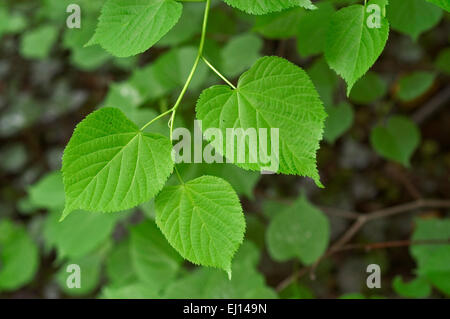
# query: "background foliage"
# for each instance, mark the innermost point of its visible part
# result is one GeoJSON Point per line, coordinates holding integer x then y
{"type": "Point", "coordinates": [386, 142]}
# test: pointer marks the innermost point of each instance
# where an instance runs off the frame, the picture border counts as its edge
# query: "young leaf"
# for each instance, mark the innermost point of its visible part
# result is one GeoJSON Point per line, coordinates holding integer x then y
{"type": "Point", "coordinates": [203, 220]}
{"type": "Point", "coordinates": [110, 165]}
{"type": "Point", "coordinates": [444, 4]}
{"type": "Point", "coordinates": [352, 46]}
{"type": "Point", "coordinates": [301, 231]}
{"type": "Point", "coordinates": [274, 93]}
{"type": "Point", "coordinates": [267, 6]}
{"type": "Point", "coordinates": [339, 120]}
{"type": "Point", "coordinates": [443, 61]}
{"type": "Point", "coordinates": [154, 260]}
{"type": "Point", "coordinates": [413, 17]}
{"type": "Point", "coordinates": [397, 141]}
{"type": "Point", "coordinates": [127, 28]}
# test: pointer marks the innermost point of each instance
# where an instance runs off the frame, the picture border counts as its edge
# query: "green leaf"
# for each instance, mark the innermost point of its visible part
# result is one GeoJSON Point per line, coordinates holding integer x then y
{"type": "Point", "coordinates": [279, 25]}
{"type": "Point", "coordinates": [421, 16]}
{"type": "Point", "coordinates": [240, 53]}
{"type": "Point", "coordinates": [80, 233]}
{"type": "Point", "coordinates": [127, 28]}
{"type": "Point", "coordinates": [368, 89]}
{"type": "Point", "coordinates": [154, 260]}
{"type": "Point", "coordinates": [397, 140]}
{"type": "Point", "coordinates": [37, 43]}
{"type": "Point", "coordinates": [416, 288]}
{"type": "Point", "coordinates": [110, 165]}
{"type": "Point", "coordinates": [203, 220]}
{"type": "Point", "coordinates": [444, 4]}
{"type": "Point", "coordinates": [312, 30]}
{"type": "Point", "coordinates": [246, 283]}
{"type": "Point", "coordinates": [414, 85]}
{"type": "Point", "coordinates": [137, 290]}
{"type": "Point", "coordinates": [443, 61]}
{"type": "Point", "coordinates": [339, 120]}
{"type": "Point", "coordinates": [433, 261]}
{"type": "Point", "coordinates": [119, 267]}
{"type": "Point", "coordinates": [274, 93]}
{"type": "Point", "coordinates": [324, 79]}
{"type": "Point", "coordinates": [352, 47]}
{"type": "Point", "coordinates": [90, 271]}
{"type": "Point", "coordinates": [172, 69]}
{"type": "Point", "coordinates": [48, 192]}
{"type": "Point", "coordinates": [301, 231]}
{"type": "Point", "coordinates": [19, 256]}
{"type": "Point", "coordinates": [187, 26]}
{"type": "Point", "coordinates": [267, 6]}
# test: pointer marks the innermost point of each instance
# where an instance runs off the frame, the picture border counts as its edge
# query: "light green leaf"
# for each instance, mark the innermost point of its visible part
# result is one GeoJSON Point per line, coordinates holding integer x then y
{"type": "Point", "coordinates": [154, 260]}
{"type": "Point", "coordinates": [352, 47]}
{"type": "Point", "coordinates": [240, 53]}
{"type": "Point", "coordinates": [433, 261]}
{"type": "Point", "coordinates": [127, 28]}
{"type": "Point", "coordinates": [312, 30]}
{"type": "Point", "coordinates": [339, 120]}
{"type": "Point", "coordinates": [267, 6]}
{"type": "Point", "coordinates": [414, 85]}
{"type": "Point", "coordinates": [369, 88]}
{"type": "Point", "coordinates": [19, 256]}
{"type": "Point", "coordinates": [397, 140]}
{"type": "Point", "coordinates": [203, 220]}
{"type": "Point", "coordinates": [444, 4]}
{"type": "Point", "coordinates": [301, 231]}
{"type": "Point", "coordinates": [37, 43]}
{"type": "Point", "coordinates": [274, 93]}
{"type": "Point", "coordinates": [110, 165]}
{"type": "Point", "coordinates": [416, 288]}
{"type": "Point", "coordinates": [413, 17]}
{"type": "Point", "coordinates": [48, 192]}
{"type": "Point", "coordinates": [279, 25]}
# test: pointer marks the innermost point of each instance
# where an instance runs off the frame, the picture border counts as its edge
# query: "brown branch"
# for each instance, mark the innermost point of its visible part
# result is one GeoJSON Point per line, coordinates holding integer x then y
{"type": "Point", "coordinates": [439, 100]}
{"type": "Point", "coordinates": [361, 220]}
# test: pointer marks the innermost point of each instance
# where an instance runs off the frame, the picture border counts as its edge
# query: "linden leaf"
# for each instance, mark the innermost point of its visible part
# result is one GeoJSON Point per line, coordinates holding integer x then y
{"type": "Point", "coordinates": [110, 165]}
{"type": "Point", "coordinates": [352, 46]}
{"type": "Point", "coordinates": [203, 220]}
{"type": "Point", "coordinates": [267, 6]}
{"type": "Point", "coordinates": [127, 28]}
{"type": "Point", "coordinates": [273, 94]}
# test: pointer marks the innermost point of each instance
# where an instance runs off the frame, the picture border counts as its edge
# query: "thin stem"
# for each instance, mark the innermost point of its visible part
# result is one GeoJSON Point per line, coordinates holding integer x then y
{"type": "Point", "coordinates": [194, 67]}
{"type": "Point", "coordinates": [178, 175]}
{"type": "Point", "coordinates": [218, 73]}
{"type": "Point", "coordinates": [157, 118]}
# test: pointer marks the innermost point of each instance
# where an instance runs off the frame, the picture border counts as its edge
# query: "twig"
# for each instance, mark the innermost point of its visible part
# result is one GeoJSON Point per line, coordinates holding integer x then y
{"type": "Point", "coordinates": [432, 106]}
{"type": "Point", "coordinates": [361, 220]}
